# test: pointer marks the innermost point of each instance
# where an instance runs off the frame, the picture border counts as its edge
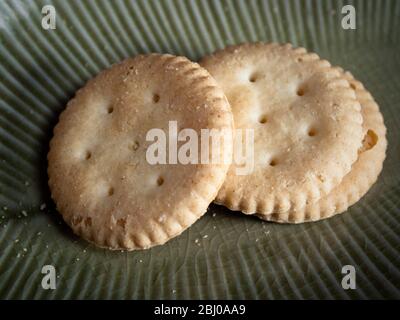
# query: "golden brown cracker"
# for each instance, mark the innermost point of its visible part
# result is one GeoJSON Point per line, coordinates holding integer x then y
{"type": "Point", "coordinates": [364, 172]}
{"type": "Point", "coordinates": [99, 177]}
{"type": "Point", "coordinates": [306, 120]}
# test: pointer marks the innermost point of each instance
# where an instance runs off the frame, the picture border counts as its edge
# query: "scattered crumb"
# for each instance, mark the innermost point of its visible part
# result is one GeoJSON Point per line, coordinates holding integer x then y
{"type": "Point", "coordinates": [5, 208]}
{"type": "Point", "coordinates": [77, 259]}
{"type": "Point", "coordinates": [214, 227]}
{"type": "Point", "coordinates": [18, 255]}
{"type": "Point", "coordinates": [42, 206]}
{"type": "Point", "coordinates": [24, 213]}
{"type": "Point", "coordinates": [162, 218]}
{"type": "Point", "coordinates": [196, 241]}
{"type": "Point", "coordinates": [39, 233]}
{"type": "Point", "coordinates": [25, 249]}
{"type": "Point", "coordinates": [173, 291]}
{"type": "Point", "coordinates": [205, 236]}
{"type": "Point", "coordinates": [16, 240]}
{"type": "Point", "coordinates": [257, 240]}
{"type": "Point", "coordinates": [214, 214]}
{"type": "Point", "coordinates": [140, 260]}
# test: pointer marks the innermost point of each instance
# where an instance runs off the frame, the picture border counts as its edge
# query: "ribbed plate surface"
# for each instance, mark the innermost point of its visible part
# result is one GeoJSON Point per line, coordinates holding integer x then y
{"type": "Point", "coordinates": [235, 256]}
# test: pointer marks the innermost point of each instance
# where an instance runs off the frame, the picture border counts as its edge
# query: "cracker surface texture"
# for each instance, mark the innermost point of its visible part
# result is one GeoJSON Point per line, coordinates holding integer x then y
{"type": "Point", "coordinates": [306, 119]}
{"type": "Point", "coordinates": [99, 177]}
{"type": "Point", "coordinates": [364, 173]}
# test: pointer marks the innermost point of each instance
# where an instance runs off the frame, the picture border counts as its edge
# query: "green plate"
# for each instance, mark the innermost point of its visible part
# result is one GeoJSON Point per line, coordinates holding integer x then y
{"type": "Point", "coordinates": [225, 254]}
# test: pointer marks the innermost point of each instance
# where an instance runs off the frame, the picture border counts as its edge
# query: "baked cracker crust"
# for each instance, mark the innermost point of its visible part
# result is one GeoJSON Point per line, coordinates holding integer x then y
{"type": "Point", "coordinates": [364, 172]}
{"type": "Point", "coordinates": [99, 178]}
{"type": "Point", "coordinates": [306, 120]}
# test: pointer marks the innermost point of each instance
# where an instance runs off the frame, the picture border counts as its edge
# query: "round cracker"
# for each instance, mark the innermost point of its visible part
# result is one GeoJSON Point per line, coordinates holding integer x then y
{"type": "Point", "coordinates": [306, 120]}
{"type": "Point", "coordinates": [364, 173]}
{"type": "Point", "coordinates": [98, 174]}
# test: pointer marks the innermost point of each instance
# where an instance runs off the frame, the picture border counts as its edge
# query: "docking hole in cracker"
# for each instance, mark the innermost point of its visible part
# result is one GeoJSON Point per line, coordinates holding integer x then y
{"type": "Point", "coordinates": [306, 120]}
{"type": "Point", "coordinates": [99, 174]}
